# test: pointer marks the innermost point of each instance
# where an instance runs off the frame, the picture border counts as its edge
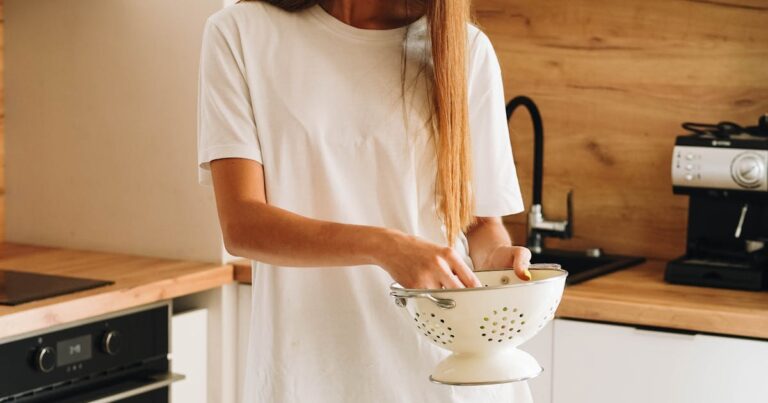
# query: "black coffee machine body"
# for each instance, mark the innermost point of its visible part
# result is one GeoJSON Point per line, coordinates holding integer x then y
{"type": "Point", "coordinates": [726, 180]}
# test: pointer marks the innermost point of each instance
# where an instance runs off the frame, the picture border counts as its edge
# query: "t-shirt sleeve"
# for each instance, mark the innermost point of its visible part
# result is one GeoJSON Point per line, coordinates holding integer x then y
{"type": "Point", "coordinates": [495, 186]}
{"type": "Point", "coordinates": [226, 125]}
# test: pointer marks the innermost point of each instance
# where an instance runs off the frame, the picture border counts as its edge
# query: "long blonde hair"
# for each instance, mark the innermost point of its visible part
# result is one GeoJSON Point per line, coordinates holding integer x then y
{"type": "Point", "coordinates": [447, 21]}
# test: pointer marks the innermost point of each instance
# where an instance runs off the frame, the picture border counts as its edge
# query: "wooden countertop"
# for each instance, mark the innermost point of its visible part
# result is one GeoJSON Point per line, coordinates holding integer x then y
{"type": "Point", "coordinates": [137, 281]}
{"type": "Point", "coordinates": [639, 296]}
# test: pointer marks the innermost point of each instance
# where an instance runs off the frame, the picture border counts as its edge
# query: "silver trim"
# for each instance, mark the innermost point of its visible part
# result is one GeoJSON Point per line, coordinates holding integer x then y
{"type": "Point", "coordinates": [395, 287]}
{"type": "Point", "coordinates": [400, 299]}
{"type": "Point", "coordinates": [744, 208]}
{"type": "Point", "coordinates": [713, 168]}
{"type": "Point", "coordinates": [161, 381]}
{"type": "Point", "coordinates": [433, 380]}
{"type": "Point", "coordinates": [40, 357]}
{"type": "Point", "coordinates": [108, 340]}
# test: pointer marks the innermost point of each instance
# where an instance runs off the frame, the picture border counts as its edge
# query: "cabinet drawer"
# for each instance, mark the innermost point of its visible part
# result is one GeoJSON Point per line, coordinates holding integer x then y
{"type": "Point", "coordinates": [597, 363]}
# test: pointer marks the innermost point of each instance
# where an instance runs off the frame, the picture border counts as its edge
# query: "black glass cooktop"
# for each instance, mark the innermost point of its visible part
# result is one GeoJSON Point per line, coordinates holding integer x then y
{"type": "Point", "coordinates": [18, 287]}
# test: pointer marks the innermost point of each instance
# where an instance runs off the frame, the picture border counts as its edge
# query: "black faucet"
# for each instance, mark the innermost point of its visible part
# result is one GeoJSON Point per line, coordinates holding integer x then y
{"type": "Point", "coordinates": [538, 226]}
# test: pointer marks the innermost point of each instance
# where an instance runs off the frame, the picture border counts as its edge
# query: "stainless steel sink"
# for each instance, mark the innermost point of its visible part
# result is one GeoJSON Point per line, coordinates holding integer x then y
{"type": "Point", "coordinates": [581, 266]}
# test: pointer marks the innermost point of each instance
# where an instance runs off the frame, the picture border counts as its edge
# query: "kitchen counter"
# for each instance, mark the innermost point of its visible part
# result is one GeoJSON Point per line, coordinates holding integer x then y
{"type": "Point", "coordinates": [639, 296]}
{"type": "Point", "coordinates": [137, 281]}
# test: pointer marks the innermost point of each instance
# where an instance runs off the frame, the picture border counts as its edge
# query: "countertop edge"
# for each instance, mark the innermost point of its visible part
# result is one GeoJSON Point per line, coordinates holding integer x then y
{"type": "Point", "coordinates": [662, 316]}
{"type": "Point", "coordinates": [108, 301]}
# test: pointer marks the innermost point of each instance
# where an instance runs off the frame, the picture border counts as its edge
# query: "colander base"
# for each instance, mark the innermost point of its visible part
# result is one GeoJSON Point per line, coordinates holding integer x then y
{"type": "Point", "coordinates": [476, 369]}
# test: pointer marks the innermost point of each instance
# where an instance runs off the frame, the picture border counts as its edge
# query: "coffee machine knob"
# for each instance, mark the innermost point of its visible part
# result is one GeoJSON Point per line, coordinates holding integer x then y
{"type": "Point", "coordinates": [748, 170]}
{"type": "Point", "coordinates": [112, 342]}
{"type": "Point", "coordinates": [45, 359]}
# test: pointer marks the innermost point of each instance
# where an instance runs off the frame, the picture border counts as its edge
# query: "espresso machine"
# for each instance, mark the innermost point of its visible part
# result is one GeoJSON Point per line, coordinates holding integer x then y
{"type": "Point", "coordinates": [723, 169]}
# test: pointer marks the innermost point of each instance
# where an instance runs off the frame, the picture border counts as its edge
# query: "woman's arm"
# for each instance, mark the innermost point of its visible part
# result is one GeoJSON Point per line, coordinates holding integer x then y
{"type": "Point", "coordinates": [491, 247]}
{"type": "Point", "coordinates": [254, 229]}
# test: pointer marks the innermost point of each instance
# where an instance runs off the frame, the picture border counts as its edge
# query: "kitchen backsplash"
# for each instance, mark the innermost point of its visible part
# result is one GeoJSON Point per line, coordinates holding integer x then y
{"type": "Point", "coordinates": [614, 80]}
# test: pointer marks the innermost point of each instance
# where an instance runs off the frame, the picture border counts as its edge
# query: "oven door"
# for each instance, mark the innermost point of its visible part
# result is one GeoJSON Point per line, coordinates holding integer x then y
{"type": "Point", "coordinates": [139, 389]}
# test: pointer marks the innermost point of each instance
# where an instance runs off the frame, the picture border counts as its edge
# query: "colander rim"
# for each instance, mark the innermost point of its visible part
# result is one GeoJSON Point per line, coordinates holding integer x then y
{"type": "Point", "coordinates": [395, 286]}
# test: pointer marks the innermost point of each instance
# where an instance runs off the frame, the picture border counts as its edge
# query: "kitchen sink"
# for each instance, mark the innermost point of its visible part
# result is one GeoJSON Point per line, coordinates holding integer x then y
{"type": "Point", "coordinates": [582, 266]}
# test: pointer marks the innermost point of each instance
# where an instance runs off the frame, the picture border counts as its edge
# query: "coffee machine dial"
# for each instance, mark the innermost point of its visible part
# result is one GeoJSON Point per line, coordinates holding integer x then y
{"type": "Point", "coordinates": [748, 170]}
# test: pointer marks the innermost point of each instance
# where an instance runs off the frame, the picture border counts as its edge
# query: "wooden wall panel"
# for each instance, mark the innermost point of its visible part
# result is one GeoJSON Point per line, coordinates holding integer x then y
{"type": "Point", "coordinates": [614, 80]}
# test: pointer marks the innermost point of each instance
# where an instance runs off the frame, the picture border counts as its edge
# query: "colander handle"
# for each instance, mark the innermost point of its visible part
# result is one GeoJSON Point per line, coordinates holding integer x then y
{"type": "Point", "coordinates": [401, 299]}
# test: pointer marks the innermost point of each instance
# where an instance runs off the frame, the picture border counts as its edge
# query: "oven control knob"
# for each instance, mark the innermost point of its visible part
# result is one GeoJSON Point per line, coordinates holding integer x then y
{"type": "Point", "coordinates": [45, 359]}
{"type": "Point", "coordinates": [748, 170]}
{"type": "Point", "coordinates": [112, 342]}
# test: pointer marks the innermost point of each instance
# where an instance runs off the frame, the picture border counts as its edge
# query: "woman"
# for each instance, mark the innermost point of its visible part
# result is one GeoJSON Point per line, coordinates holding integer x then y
{"type": "Point", "coordinates": [348, 146]}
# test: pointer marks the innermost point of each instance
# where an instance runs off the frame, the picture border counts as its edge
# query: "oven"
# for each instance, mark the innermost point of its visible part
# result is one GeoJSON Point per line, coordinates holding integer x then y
{"type": "Point", "coordinates": [121, 357]}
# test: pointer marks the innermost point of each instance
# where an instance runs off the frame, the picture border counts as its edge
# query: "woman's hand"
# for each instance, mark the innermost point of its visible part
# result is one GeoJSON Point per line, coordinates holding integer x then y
{"type": "Point", "coordinates": [505, 256]}
{"type": "Point", "coordinates": [416, 263]}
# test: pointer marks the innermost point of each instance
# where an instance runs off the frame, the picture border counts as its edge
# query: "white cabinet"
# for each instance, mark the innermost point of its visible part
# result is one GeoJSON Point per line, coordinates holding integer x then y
{"type": "Point", "coordinates": [541, 348]}
{"type": "Point", "coordinates": [598, 363]}
{"type": "Point", "coordinates": [220, 332]}
{"type": "Point", "coordinates": [189, 347]}
{"type": "Point", "coordinates": [244, 299]}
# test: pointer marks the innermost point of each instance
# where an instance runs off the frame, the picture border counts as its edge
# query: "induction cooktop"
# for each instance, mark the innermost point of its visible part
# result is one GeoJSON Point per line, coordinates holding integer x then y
{"type": "Point", "coordinates": [18, 287]}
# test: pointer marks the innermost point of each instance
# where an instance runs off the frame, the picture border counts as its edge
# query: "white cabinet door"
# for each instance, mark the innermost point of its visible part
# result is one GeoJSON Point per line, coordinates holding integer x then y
{"type": "Point", "coordinates": [541, 348]}
{"type": "Point", "coordinates": [189, 347]}
{"type": "Point", "coordinates": [598, 363]}
{"type": "Point", "coordinates": [244, 299]}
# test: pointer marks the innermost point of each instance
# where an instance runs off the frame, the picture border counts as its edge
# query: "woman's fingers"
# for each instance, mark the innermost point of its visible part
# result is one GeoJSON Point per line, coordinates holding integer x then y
{"type": "Point", "coordinates": [521, 260]}
{"type": "Point", "coordinates": [448, 280]}
{"type": "Point", "coordinates": [460, 269]}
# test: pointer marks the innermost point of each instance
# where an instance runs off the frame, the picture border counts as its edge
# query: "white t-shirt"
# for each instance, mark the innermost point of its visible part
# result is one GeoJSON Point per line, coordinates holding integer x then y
{"type": "Point", "coordinates": [320, 105]}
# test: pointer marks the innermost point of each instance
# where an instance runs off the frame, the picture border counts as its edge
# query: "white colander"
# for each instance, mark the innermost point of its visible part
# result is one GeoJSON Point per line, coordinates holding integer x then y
{"type": "Point", "coordinates": [483, 327]}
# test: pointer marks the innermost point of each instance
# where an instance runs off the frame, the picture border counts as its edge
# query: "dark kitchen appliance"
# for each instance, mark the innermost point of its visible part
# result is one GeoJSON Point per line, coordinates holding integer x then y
{"type": "Point", "coordinates": [18, 287]}
{"type": "Point", "coordinates": [116, 358]}
{"type": "Point", "coordinates": [724, 171]}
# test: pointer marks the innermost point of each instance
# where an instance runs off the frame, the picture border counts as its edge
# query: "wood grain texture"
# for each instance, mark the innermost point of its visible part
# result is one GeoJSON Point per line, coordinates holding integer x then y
{"type": "Point", "coordinates": [614, 81]}
{"type": "Point", "coordinates": [137, 281]}
{"type": "Point", "coordinates": [639, 296]}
